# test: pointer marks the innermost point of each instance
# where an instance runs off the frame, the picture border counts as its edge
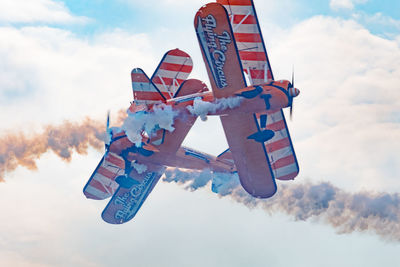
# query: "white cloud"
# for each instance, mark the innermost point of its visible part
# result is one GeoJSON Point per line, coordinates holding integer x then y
{"type": "Point", "coordinates": [347, 76]}
{"type": "Point", "coordinates": [378, 19]}
{"type": "Point", "coordinates": [31, 11]}
{"type": "Point", "coordinates": [346, 123]}
{"type": "Point", "coordinates": [50, 74]}
{"type": "Point", "coordinates": [345, 131]}
{"type": "Point", "coordinates": [345, 4]}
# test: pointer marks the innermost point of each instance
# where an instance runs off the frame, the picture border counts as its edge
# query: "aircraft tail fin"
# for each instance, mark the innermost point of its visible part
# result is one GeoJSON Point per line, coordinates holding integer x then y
{"type": "Point", "coordinates": [173, 70]}
{"type": "Point", "coordinates": [191, 86]}
{"type": "Point", "coordinates": [144, 91]}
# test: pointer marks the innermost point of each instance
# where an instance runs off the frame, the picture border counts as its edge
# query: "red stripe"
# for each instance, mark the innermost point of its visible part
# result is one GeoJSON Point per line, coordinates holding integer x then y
{"type": "Point", "coordinates": [250, 19]}
{"type": "Point", "coordinates": [139, 95]}
{"type": "Point", "coordinates": [289, 176]}
{"type": "Point", "coordinates": [178, 53]}
{"type": "Point", "coordinates": [109, 174]}
{"type": "Point", "coordinates": [276, 126]}
{"type": "Point", "coordinates": [116, 161]}
{"type": "Point", "coordinates": [235, 2]}
{"type": "Point", "coordinates": [271, 147]}
{"type": "Point", "coordinates": [167, 81]}
{"type": "Point", "coordinates": [257, 56]}
{"type": "Point", "coordinates": [248, 37]}
{"type": "Point", "coordinates": [96, 184]}
{"type": "Point", "coordinates": [269, 74]}
{"type": "Point", "coordinates": [139, 78]}
{"type": "Point", "coordinates": [176, 67]}
{"type": "Point", "coordinates": [257, 74]}
{"type": "Point", "coordinates": [283, 162]}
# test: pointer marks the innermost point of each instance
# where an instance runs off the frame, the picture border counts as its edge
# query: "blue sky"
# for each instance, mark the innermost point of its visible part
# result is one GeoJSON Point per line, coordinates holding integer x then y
{"type": "Point", "coordinates": [65, 60]}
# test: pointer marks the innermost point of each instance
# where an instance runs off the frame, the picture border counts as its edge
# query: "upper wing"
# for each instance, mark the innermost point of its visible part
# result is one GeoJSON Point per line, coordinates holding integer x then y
{"type": "Point", "coordinates": [250, 157]}
{"type": "Point", "coordinates": [219, 50]}
{"type": "Point", "coordinates": [173, 69]}
{"type": "Point", "coordinates": [131, 194]}
{"type": "Point", "coordinates": [254, 59]}
{"type": "Point", "coordinates": [253, 54]}
{"type": "Point", "coordinates": [226, 75]}
{"type": "Point", "coordinates": [101, 184]}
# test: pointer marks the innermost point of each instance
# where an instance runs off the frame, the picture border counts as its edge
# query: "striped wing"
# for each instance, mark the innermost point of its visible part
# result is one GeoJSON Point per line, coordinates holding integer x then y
{"type": "Point", "coordinates": [226, 77]}
{"type": "Point", "coordinates": [255, 63]}
{"type": "Point", "coordinates": [173, 70]}
{"type": "Point", "coordinates": [101, 184]}
{"type": "Point", "coordinates": [249, 40]}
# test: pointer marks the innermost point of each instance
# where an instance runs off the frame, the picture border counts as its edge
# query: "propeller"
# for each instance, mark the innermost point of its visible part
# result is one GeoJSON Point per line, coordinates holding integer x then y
{"type": "Point", "coordinates": [108, 132]}
{"type": "Point", "coordinates": [291, 104]}
{"type": "Point", "coordinates": [293, 92]}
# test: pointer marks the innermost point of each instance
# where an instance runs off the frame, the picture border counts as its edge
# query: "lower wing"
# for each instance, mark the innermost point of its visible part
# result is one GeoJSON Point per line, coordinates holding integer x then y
{"type": "Point", "coordinates": [130, 195]}
{"type": "Point", "coordinates": [101, 184]}
{"type": "Point", "coordinates": [249, 154]}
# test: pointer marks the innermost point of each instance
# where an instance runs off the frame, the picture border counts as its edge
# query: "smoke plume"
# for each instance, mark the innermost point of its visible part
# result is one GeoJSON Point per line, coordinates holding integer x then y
{"type": "Point", "coordinates": [203, 108]}
{"type": "Point", "coordinates": [160, 117]}
{"type": "Point", "coordinates": [20, 149]}
{"type": "Point", "coordinates": [364, 212]}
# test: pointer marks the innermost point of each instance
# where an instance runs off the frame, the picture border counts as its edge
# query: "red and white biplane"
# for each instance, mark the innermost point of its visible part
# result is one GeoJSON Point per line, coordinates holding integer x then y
{"type": "Point", "coordinates": [260, 149]}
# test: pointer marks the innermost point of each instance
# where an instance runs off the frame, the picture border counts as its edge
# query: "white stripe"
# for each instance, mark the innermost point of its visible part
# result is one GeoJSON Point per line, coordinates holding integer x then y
{"type": "Point", "coordinates": [258, 81]}
{"type": "Point", "coordinates": [285, 170]}
{"type": "Point", "coordinates": [247, 28]}
{"type": "Point", "coordinates": [148, 102]}
{"type": "Point", "coordinates": [171, 74]}
{"type": "Point", "coordinates": [255, 64]}
{"type": "Point", "coordinates": [250, 47]}
{"type": "Point", "coordinates": [274, 117]}
{"type": "Point", "coordinates": [279, 135]}
{"type": "Point", "coordinates": [239, 10]}
{"type": "Point", "coordinates": [143, 87]}
{"type": "Point", "coordinates": [178, 60]}
{"type": "Point", "coordinates": [280, 154]}
{"type": "Point", "coordinates": [165, 89]}
{"type": "Point", "coordinates": [96, 192]}
{"type": "Point", "coordinates": [105, 181]}
{"type": "Point", "coordinates": [112, 167]}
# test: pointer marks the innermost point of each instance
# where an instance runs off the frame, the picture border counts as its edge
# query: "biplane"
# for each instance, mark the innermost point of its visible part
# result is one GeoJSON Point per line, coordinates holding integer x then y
{"type": "Point", "coordinates": [260, 149]}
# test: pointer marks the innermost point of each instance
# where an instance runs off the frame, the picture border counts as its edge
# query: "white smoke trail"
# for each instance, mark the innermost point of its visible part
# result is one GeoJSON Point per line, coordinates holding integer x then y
{"type": "Point", "coordinates": [160, 117]}
{"type": "Point", "coordinates": [365, 212]}
{"type": "Point", "coordinates": [203, 108]}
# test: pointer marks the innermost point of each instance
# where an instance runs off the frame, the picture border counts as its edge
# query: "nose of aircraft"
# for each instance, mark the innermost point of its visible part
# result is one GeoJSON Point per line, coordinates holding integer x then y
{"type": "Point", "coordinates": [293, 92]}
